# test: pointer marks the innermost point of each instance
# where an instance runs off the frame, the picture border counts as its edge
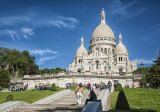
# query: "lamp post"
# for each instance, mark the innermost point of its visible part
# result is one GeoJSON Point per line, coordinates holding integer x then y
{"type": "Point", "coordinates": [142, 72]}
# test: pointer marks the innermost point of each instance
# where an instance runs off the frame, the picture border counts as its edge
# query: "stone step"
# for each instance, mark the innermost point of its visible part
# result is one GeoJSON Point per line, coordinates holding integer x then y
{"type": "Point", "coordinates": [65, 103]}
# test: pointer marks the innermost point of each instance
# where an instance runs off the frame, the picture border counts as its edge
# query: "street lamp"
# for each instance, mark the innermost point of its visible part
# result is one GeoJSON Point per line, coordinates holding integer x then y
{"type": "Point", "coordinates": [142, 72]}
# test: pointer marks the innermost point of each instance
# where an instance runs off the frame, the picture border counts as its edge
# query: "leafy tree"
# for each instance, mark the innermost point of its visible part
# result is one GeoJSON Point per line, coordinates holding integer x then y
{"type": "Point", "coordinates": [4, 78]}
{"type": "Point", "coordinates": [154, 73]}
{"type": "Point", "coordinates": [151, 74]}
{"type": "Point", "coordinates": [17, 63]}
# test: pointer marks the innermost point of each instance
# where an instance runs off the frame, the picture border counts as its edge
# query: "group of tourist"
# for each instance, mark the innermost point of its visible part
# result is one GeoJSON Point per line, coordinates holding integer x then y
{"type": "Point", "coordinates": [41, 86]}
{"type": "Point", "coordinates": [99, 86]}
{"type": "Point", "coordinates": [91, 88]}
{"type": "Point", "coordinates": [17, 87]}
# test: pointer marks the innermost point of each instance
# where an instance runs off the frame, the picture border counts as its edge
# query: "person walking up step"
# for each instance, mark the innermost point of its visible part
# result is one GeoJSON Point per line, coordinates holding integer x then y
{"type": "Point", "coordinates": [79, 93]}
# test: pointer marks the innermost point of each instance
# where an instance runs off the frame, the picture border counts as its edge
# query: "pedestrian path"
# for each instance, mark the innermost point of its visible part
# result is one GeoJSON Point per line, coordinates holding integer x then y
{"type": "Point", "coordinates": [65, 103]}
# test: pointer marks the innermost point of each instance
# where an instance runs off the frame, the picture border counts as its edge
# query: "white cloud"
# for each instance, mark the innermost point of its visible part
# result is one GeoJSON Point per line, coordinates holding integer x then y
{"type": "Point", "coordinates": [42, 60]}
{"type": "Point", "coordinates": [39, 21]}
{"type": "Point", "coordinates": [145, 61]}
{"type": "Point", "coordinates": [27, 31]}
{"type": "Point", "coordinates": [117, 7]}
{"type": "Point", "coordinates": [13, 34]}
{"type": "Point", "coordinates": [42, 52]}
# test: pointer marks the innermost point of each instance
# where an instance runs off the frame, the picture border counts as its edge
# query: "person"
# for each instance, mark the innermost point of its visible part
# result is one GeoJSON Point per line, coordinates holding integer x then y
{"type": "Point", "coordinates": [93, 87]}
{"type": "Point", "coordinates": [147, 85]}
{"type": "Point", "coordinates": [89, 86]}
{"type": "Point", "coordinates": [115, 84]}
{"type": "Point", "coordinates": [79, 93]}
{"type": "Point", "coordinates": [9, 87]}
{"type": "Point", "coordinates": [92, 97]}
{"type": "Point", "coordinates": [109, 86]}
{"type": "Point", "coordinates": [69, 84]}
{"type": "Point", "coordinates": [101, 86]}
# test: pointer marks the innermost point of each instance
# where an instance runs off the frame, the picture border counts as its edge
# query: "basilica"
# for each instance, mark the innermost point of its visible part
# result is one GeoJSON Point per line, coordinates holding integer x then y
{"type": "Point", "coordinates": [105, 61]}
{"type": "Point", "coordinates": [105, 56]}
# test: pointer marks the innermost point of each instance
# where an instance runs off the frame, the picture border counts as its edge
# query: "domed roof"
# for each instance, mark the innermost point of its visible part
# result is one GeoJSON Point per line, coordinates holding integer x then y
{"type": "Point", "coordinates": [103, 30]}
{"type": "Point", "coordinates": [120, 48]}
{"type": "Point", "coordinates": [81, 50]}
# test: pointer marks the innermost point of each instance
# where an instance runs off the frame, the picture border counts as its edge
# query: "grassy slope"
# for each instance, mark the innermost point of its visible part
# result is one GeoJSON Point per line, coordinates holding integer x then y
{"type": "Point", "coordinates": [28, 96]}
{"type": "Point", "coordinates": [139, 99]}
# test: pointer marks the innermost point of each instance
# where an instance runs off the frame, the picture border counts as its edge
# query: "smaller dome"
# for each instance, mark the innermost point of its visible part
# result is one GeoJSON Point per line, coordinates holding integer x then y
{"type": "Point", "coordinates": [81, 50]}
{"type": "Point", "coordinates": [120, 48]}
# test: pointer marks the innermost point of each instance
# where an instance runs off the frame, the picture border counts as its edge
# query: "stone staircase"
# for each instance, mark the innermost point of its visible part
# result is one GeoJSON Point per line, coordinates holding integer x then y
{"type": "Point", "coordinates": [65, 103]}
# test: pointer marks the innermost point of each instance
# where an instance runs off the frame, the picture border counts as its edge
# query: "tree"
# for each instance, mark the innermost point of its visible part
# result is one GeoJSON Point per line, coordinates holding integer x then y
{"type": "Point", "coordinates": [122, 102]}
{"type": "Point", "coordinates": [4, 78]}
{"type": "Point", "coordinates": [154, 73]}
{"type": "Point", "coordinates": [17, 63]}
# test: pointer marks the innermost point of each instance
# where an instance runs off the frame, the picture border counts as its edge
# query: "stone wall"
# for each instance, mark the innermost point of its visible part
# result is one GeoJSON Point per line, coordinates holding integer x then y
{"type": "Point", "coordinates": [61, 80]}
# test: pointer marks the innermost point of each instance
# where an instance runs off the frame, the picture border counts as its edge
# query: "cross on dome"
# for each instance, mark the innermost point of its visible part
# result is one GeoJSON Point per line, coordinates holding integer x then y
{"type": "Point", "coordinates": [120, 38]}
{"type": "Point", "coordinates": [82, 40]}
{"type": "Point", "coordinates": [103, 16]}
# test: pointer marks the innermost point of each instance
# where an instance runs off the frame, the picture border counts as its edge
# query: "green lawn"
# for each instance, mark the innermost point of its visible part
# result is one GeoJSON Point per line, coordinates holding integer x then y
{"type": "Point", "coordinates": [139, 99]}
{"type": "Point", "coordinates": [28, 96]}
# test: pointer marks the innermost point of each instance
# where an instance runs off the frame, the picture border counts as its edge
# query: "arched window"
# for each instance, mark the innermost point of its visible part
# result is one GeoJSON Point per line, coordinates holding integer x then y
{"type": "Point", "coordinates": [97, 62]}
{"type": "Point", "coordinates": [105, 50]}
{"type": "Point", "coordinates": [105, 68]}
{"type": "Point", "coordinates": [113, 51]}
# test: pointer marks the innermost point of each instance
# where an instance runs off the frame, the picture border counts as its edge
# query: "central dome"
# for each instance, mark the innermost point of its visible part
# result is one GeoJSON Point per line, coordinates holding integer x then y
{"type": "Point", "coordinates": [103, 30]}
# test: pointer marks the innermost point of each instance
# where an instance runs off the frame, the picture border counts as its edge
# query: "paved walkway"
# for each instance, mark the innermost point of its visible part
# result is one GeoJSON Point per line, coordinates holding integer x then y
{"type": "Point", "coordinates": [66, 103]}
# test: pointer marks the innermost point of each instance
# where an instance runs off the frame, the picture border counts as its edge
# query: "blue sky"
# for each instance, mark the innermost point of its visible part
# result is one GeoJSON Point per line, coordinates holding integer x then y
{"type": "Point", "coordinates": [51, 29]}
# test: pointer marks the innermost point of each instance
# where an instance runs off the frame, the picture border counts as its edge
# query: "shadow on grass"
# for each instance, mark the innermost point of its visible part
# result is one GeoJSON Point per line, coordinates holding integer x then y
{"type": "Point", "coordinates": [132, 110]}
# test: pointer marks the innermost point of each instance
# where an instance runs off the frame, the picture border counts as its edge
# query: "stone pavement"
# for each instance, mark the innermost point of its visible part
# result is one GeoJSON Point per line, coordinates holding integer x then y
{"type": "Point", "coordinates": [65, 103]}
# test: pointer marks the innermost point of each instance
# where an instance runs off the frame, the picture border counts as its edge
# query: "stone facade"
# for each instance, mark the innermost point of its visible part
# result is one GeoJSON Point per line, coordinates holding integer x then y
{"type": "Point", "coordinates": [104, 55]}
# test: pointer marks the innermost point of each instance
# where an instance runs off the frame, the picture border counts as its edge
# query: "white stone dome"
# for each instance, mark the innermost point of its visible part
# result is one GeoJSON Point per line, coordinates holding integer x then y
{"type": "Point", "coordinates": [120, 48]}
{"type": "Point", "coordinates": [103, 30]}
{"type": "Point", "coordinates": [81, 50]}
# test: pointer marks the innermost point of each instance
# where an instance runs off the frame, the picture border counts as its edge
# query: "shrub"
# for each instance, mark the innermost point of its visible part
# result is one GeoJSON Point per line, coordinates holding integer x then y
{"type": "Point", "coordinates": [122, 102]}
{"type": "Point", "coordinates": [35, 86]}
{"type": "Point", "coordinates": [9, 98]}
{"type": "Point", "coordinates": [53, 87]}
{"type": "Point", "coordinates": [118, 87]}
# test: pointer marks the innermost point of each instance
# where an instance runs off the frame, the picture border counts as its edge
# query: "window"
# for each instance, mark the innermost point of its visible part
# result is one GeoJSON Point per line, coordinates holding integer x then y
{"type": "Point", "coordinates": [105, 68]}
{"type": "Point", "coordinates": [97, 64]}
{"type": "Point", "coordinates": [120, 69]}
{"type": "Point", "coordinates": [113, 51]}
{"type": "Point", "coordinates": [121, 58]}
{"type": "Point", "coordinates": [105, 50]}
